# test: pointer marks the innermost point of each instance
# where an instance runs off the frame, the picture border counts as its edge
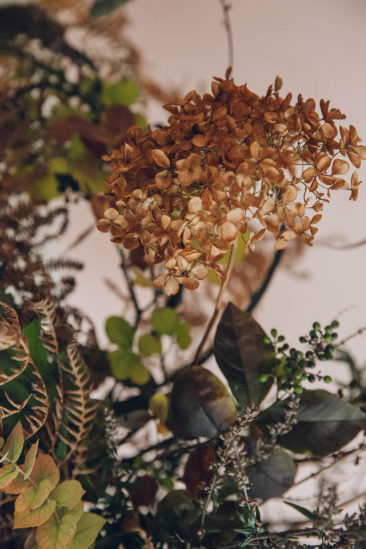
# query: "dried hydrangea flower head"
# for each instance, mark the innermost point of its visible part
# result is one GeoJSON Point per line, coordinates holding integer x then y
{"type": "Point", "coordinates": [185, 191]}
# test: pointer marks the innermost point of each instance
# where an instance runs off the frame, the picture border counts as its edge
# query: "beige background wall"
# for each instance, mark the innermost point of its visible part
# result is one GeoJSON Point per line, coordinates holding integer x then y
{"type": "Point", "coordinates": [319, 49]}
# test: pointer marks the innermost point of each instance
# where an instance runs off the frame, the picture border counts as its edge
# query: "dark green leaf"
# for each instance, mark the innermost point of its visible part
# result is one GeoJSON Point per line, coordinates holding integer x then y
{"type": "Point", "coordinates": [48, 371]}
{"type": "Point", "coordinates": [242, 355]}
{"type": "Point", "coordinates": [119, 331]}
{"type": "Point", "coordinates": [104, 7]}
{"type": "Point", "coordinates": [308, 514]}
{"type": "Point", "coordinates": [326, 423]}
{"type": "Point", "coordinates": [272, 476]}
{"type": "Point", "coordinates": [200, 404]}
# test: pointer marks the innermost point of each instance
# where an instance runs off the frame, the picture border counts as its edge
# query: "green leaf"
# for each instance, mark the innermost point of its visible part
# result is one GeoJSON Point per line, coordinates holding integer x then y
{"type": "Point", "coordinates": [119, 331]}
{"type": "Point", "coordinates": [68, 493]}
{"type": "Point", "coordinates": [87, 531]}
{"type": "Point", "coordinates": [7, 474]}
{"type": "Point", "coordinates": [30, 459]}
{"type": "Point", "coordinates": [56, 534]}
{"type": "Point", "coordinates": [104, 7]}
{"type": "Point", "coordinates": [183, 335]}
{"type": "Point", "coordinates": [165, 321]}
{"type": "Point", "coordinates": [33, 497]}
{"type": "Point", "coordinates": [45, 188]}
{"type": "Point", "coordinates": [272, 476]}
{"type": "Point", "coordinates": [39, 356]}
{"type": "Point", "coordinates": [14, 444]}
{"type": "Point", "coordinates": [140, 374]}
{"type": "Point", "coordinates": [36, 517]}
{"type": "Point", "coordinates": [124, 92]}
{"type": "Point", "coordinates": [200, 405]}
{"type": "Point", "coordinates": [149, 345]}
{"type": "Point", "coordinates": [308, 514]}
{"type": "Point", "coordinates": [158, 405]}
{"type": "Point", "coordinates": [123, 363]}
{"type": "Point", "coordinates": [325, 423]}
{"type": "Point", "coordinates": [242, 355]}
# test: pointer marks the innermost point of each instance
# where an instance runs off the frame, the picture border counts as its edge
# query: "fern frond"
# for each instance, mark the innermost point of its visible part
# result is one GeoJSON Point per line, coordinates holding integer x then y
{"type": "Point", "coordinates": [47, 309]}
{"type": "Point", "coordinates": [64, 263]}
{"type": "Point", "coordinates": [12, 337]}
{"type": "Point", "coordinates": [37, 400]}
{"type": "Point", "coordinates": [79, 409]}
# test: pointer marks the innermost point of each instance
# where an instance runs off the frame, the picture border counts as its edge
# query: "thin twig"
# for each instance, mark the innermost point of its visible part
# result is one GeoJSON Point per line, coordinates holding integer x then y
{"type": "Point", "coordinates": [218, 302]}
{"type": "Point", "coordinates": [80, 238]}
{"type": "Point", "coordinates": [253, 302]}
{"type": "Point", "coordinates": [256, 297]}
{"type": "Point", "coordinates": [351, 336]}
{"type": "Point", "coordinates": [227, 23]}
{"type": "Point", "coordinates": [336, 461]}
{"type": "Point", "coordinates": [130, 286]}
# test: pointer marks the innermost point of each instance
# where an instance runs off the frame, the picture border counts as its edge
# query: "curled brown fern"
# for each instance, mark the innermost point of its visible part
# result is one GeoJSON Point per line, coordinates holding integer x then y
{"type": "Point", "coordinates": [37, 401]}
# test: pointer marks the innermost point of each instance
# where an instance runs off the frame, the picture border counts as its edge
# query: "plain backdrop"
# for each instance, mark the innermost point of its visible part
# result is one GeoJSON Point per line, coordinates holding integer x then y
{"type": "Point", "coordinates": [319, 49]}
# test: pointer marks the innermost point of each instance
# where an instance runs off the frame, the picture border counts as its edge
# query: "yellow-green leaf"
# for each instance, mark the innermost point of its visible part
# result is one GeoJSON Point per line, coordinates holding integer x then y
{"type": "Point", "coordinates": [140, 374]}
{"type": "Point", "coordinates": [30, 459]}
{"type": "Point", "coordinates": [14, 444]}
{"type": "Point", "coordinates": [17, 485]}
{"type": "Point", "coordinates": [123, 363]}
{"type": "Point", "coordinates": [33, 497]}
{"type": "Point", "coordinates": [165, 321]}
{"type": "Point", "coordinates": [87, 531]}
{"type": "Point", "coordinates": [36, 517]}
{"type": "Point", "coordinates": [183, 336]}
{"type": "Point", "coordinates": [159, 406]}
{"type": "Point", "coordinates": [124, 92]}
{"type": "Point", "coordinates": [68, 493]}
{"type": "Point", "coordinates": [45, 468]}
{"type": "Point", "coordinates": [54, 534]}
{"type": "Point", "coordinates": [119, 331]}
{"type": "Point", "coordinates": [149, 345]}
{"type": "Point", "coordinates": [7, 474]}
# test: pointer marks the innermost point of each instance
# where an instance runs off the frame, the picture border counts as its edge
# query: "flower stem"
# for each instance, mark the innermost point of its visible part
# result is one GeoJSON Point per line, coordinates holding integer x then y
{"type": "Point", "coordinates": [218, 302]}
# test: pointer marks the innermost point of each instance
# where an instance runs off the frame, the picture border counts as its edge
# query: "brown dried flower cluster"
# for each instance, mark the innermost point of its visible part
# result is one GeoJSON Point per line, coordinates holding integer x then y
{"type": "Point", "coordinates": [186, 191]}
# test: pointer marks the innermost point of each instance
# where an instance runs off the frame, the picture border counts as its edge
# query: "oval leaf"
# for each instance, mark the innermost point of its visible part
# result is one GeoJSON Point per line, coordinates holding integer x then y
{"type": "Point", "coordinates": [149, 345]}
{"type": "Point", "coordinates": [165, 321]}
{"type": "Point", "coordinates": [30, 459]}
{"type": "Point", "coordinates": [7, 474]}
{"type": "Point", "coordinates": [200, 404]}
{"type": "Point", "coordinates": [36, 517]}
{"type": "Point", "coordinates": [273, 476]}
{"type": "Point", "coordinates": [87, 531]}
{"type": "Point", "coordinates": [325, 424]}
{"type": "Point", "coordinates": [56, 534]}
{"type": "Point", "coordinates": [123, 363]}
{"type": "Point", "coordinates": [45, 468]}
{"type": "Point", "coordinates": [14, 444]}
{"type": "Point", "coordinates": [242, 355]}
{"type": "Point", "coordinates": [33, 497]}
{"type": "Point", "coordinates": [119, 331]}
{"type": "Point", "coordinates": [68, 493]}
